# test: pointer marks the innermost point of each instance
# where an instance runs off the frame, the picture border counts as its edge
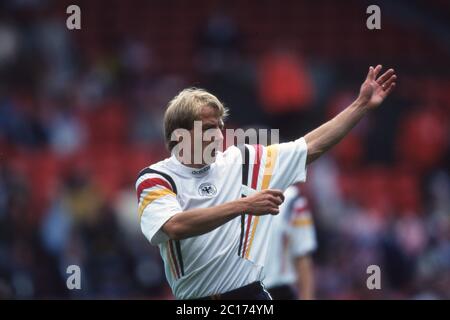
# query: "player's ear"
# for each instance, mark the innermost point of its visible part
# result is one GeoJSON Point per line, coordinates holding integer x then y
{"type": "Point", "coordinates": [179, 134]}
{"type": "Point", "coordinates": [182, 138]}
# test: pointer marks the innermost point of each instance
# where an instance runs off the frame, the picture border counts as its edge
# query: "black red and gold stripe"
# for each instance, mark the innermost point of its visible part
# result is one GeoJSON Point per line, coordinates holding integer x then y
{"type": "Point", "coordinates": [174, 256]}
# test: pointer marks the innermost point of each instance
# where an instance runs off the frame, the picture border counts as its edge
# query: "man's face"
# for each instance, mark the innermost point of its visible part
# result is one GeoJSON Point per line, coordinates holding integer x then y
{"type": "Point", "coordinates": [210, 139]}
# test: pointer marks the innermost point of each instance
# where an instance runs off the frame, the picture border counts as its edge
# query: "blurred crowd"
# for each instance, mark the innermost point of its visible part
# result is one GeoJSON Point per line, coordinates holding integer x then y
{"type": "Point", "coordinates": [81, 113]}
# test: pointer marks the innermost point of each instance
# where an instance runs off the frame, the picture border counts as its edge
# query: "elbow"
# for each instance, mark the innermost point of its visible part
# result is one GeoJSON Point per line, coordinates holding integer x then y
{"type": "Point", "coordinates": [174, 230]}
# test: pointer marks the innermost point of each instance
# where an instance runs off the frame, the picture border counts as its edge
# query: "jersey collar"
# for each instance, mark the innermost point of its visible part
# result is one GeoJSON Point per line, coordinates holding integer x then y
{"type": "Point", "coordinates": [188, 171]}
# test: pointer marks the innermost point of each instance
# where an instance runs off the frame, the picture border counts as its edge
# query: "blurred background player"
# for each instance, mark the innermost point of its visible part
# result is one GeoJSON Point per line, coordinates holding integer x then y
{"type": "Point", "coordinates": [289, 268]}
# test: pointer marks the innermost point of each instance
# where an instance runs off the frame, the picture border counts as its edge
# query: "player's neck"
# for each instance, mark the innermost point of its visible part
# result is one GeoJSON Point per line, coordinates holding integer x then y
{"type": "Point", "coordinates": [195, 166]}
{"type": "Point", "coordinates": [190, 163]}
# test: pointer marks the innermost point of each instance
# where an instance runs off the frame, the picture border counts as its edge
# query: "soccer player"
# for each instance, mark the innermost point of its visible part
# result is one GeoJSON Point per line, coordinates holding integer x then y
{"type": "Point", "coordinates": [211, 219]}
{"type": "Point", "coordinates": [289, 273]}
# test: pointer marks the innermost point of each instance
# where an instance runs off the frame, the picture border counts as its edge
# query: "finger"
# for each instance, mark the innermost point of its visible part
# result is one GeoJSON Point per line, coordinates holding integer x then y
{"type": "Point", "coordinates": [377, 70]}
{"type": "Point", "coordinates": [370, 75]}
{"type": "Point", "coordinates": [265, 211]}
{"type": "Point", "coordinates": [388, 83]}
{"type": "Point", "coordinates": [275, 200]}
{"type": "Point", "coordinates": [276, 193]}
{"type": "Point", "coordinates": [274, 211]}
{"type": "Point", "coordinates": [385, 76]}
{"type": "Point", "coordinates": [390, 88]}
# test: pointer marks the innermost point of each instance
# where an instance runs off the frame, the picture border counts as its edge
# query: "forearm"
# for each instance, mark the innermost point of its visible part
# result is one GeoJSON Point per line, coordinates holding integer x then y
{"type": "Point", "coordinates": [195, 222]}
{"type": "Point", "coordinates": [305, 278]}
{"type": "Point", "coordinates": [330, 133]}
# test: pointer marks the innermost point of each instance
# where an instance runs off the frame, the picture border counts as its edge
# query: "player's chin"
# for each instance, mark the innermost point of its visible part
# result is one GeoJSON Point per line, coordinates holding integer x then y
{"type": "Point", "coordinates": [210, 158]}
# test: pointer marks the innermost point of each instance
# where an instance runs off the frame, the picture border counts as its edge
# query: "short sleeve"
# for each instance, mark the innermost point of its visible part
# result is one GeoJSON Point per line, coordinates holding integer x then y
{"type": "Point", "coordinates": [157, 203]}
{"type": "Point", "coordinates": [301, 231]}
{"type": "Point", "coordinates": [292, 162]}
{"type": "Point", "coordinates": [284, 164]}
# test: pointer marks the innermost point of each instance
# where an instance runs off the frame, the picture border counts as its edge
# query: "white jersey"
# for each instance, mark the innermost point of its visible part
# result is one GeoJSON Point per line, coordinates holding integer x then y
{"type": "Point", "coordinates": [292, 235]}
{"type": "Point", "coordinates": [232, 255]}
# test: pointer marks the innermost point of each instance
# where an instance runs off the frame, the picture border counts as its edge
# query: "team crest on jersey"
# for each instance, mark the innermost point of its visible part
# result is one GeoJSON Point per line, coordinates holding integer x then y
{"type": "Point", "coordinates": [207, 190]}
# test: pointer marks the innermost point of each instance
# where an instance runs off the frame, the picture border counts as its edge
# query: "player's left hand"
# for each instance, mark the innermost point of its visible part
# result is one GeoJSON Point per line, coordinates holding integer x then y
{"type": "Point", "coordinates": [374, 90]}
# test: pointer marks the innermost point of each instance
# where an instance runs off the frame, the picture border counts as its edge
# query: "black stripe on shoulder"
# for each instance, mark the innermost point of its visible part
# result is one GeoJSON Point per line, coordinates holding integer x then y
{"type": "Point", "coordinates": [165, 175]}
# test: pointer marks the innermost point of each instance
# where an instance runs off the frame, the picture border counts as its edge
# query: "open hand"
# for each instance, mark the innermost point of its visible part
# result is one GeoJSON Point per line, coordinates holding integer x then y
{"type": "Point", "coordinates": [374, 90]}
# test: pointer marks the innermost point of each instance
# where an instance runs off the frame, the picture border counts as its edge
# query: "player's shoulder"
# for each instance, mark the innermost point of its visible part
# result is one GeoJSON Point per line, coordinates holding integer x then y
{"type": "Point", "coordinates": [155, 168]}
{"type": "Point", "coordinates": [232, 153]}
{"type": "Point", "coordinates": [300, 201]}
{"type": "Point", "coordinates": [158, 170]}
{"type": "Point", "coordinates": [243, 149]}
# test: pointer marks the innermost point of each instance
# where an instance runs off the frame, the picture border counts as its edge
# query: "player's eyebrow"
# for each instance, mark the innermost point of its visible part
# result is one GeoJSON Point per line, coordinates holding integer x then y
{"type": "Point", "coordinates": [211, 125]}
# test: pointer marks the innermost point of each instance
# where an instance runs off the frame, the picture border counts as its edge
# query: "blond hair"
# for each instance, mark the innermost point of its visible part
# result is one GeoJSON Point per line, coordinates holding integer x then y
{"type": "Point", "coordinates": [185, 108]}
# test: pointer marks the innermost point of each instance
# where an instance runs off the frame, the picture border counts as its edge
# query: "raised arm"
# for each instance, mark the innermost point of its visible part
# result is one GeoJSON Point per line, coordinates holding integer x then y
{"type": "Point", "coordinates": [372, 93]}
